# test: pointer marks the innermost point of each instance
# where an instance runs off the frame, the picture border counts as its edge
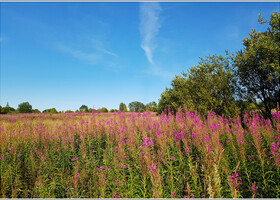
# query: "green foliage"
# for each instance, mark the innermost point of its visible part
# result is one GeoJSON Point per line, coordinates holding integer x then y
{"type": "Point", "coordinates": [169, 99]}
{"type": "Point", "coordinates": [25, 107]}
{"type": "Point", "coordinates": [215, 84]}
{"type": "Point", "coordinates": [7, 109]}
{"type": "Point", "coordinates": [152, 106]}
{"type": "Point", "coordinates": [206, 87]}
{"type": "Point", "coordinates": [257, 67]}
{"type": "Point", "coordinates": [69, 111]}
{"type": "Point", "coordinates": [36, 111]}
{"type": "Point", "coordinates": [104, 110]}
{"type": "Point", "coordinates": [122, 107]}
{"type": "Point", "coordinates": [51, 111]}
{"type": "Point", "coordinates": [113, 110]}
{"type": "Point", "coordinates": [84, 108]}
{"type": "Point", "coordinates": [136, 106]}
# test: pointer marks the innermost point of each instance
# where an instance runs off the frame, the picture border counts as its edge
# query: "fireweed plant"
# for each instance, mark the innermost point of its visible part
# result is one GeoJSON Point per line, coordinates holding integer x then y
{"type": "Point", "coordinates": [138, 155]}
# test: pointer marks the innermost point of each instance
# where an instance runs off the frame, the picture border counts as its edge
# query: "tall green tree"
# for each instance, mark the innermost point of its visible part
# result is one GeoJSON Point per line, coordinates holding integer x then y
{"type": "Point", "coordinates": [257, 67]}
{"type": "Point", "coordinates": [136, 106]}
{"type": "Point", "coordinates": [25, 107]}
{"type": "Point", "coordinates": [152, 106]}
{"type": "Point", "coordinates": [209, 86]}
{"type": "Point", "coordinates": [122, 107]}
{"type": "Point", "coordinates": [84, 108]}
{"type": "Point", "coordinates": [174, 97]}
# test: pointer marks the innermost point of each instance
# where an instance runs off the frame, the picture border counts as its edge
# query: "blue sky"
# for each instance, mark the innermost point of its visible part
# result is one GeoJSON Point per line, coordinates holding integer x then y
{"type": "Point", "coordinates": [66, 54]}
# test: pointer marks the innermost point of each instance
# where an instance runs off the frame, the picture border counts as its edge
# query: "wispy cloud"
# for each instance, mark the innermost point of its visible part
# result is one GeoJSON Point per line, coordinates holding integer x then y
{"type": "Point", "coordinates": [149, 27]}
{"type": "Point", "coordinates": [92, 58]}
{"type": "Point", "coordinates": [92, 52]}
{"type": "Point", "coordinates": [99, 46]}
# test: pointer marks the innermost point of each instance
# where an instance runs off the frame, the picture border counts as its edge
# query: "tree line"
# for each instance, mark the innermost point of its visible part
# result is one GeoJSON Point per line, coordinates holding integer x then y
{"type": "Point", "coordinates": [237, 83]}
{"type": "Point", "coordinates": [134, 106]}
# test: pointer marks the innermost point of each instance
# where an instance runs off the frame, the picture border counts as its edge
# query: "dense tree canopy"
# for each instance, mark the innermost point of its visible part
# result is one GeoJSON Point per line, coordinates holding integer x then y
{"type": "Point", "coordinates": [257, 67]}
{"type": "Point", "coordinates": [25, 107]}
{"type": "Point", "coordinates": [84, 108]}
{"type": "Point", "coordinates": [122, 107]}
{"type": "Point", "coordinates": [206, 87]}
{"type": "Point", "coordinates": [152, 106]}
{"type": "Point", "coordinates": [51, 111]}
{"type": "Point", "coordinates": [103, 109]}
{"type": "Point", "coordinates": [137, 106]}
{"type": "Point", "coordinates": [7, 109]}
{"type": "Point", "coordinates": [247, 80]}
{"type": "Point", "coordinates": [36, 111]}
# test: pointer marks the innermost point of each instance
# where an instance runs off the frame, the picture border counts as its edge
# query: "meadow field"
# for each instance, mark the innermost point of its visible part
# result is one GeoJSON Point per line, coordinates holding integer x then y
{"type": "Point", "coordinates": [138, 155]}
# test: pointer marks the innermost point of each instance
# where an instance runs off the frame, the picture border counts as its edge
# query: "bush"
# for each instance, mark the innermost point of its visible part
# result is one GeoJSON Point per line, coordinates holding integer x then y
{"type": "Point", "coordinates": [25, 107]}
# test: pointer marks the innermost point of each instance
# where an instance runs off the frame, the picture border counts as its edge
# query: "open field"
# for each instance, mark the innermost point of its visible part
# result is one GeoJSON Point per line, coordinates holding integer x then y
{"type": "Point", "coordinates": [135, 155]}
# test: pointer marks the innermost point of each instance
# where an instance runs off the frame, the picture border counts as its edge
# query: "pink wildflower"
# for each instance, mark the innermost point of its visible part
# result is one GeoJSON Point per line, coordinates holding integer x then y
{"type": "Point", "coordinates": [152, 168]}
{"type": "Point", "coordinates": [234, 179]}
{"type": "Point", "coordinates": [74, 159]}
{"type": "Point", "coordinates": [194, 135]}
{"type": "Point", "coordinates": [274, 147]}
{"type": "Point", "coordinates": [147, 142]}
{"type": "Point", "coordinates": [159, 133]}
{"type": "Point", "coordinates": [207, 139]}
{"type": "Point", "coordinates": [187, 149]}
{"type": "Point", "coordinates": [254, 188]}
{"type": "Point", "coordinates": [209, 149]}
